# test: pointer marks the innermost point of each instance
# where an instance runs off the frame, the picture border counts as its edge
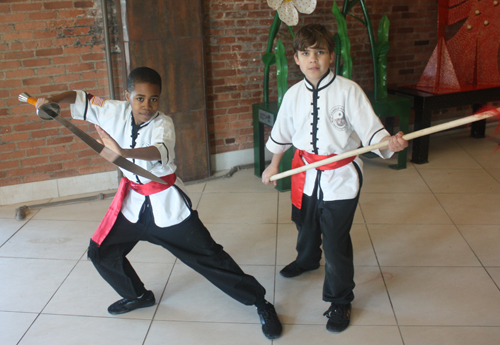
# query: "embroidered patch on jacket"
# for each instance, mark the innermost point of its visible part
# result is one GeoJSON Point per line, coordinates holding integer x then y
{"type": "Point", "coordinates": [337, 118]}
{"type": "Point", "coordinates": [97, 101]}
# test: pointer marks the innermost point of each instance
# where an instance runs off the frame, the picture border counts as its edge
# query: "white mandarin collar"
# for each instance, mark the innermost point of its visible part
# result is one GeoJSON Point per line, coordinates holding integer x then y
{"type": "Point", "coordinates": [326, 80]}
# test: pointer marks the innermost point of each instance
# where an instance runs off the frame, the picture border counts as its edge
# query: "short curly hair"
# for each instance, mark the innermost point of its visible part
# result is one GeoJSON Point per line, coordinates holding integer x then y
{"type": "Point", "coordinates": [313, 35]}
{"type": "Point", "coordinates": [143, 75]}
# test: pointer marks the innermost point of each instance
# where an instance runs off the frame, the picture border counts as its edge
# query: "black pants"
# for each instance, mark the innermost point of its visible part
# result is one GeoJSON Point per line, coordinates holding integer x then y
{"type": "Point", "coordinates": [189, 241]}
{"type": "Point", "coordinates": [331, 220]}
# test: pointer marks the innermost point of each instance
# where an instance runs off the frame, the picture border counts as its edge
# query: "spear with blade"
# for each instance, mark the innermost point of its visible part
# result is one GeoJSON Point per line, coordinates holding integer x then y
{"type": "Point", "coordinates": [482, 114]}
{"type": "Point", "coordinates": [51, 111]}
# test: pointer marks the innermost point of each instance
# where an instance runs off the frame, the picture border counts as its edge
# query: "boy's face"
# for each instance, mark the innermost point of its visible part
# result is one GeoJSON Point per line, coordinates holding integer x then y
{"type": "Point", "coordinates": [144, 101]}
{"type": "Point", "coordinates": [314, 62]}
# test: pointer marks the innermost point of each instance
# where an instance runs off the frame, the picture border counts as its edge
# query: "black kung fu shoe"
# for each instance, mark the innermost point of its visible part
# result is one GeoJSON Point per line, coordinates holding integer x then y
{"type": "Point", "coordinates": [125, 305]}
{"type": "Point", "coordinates": [271, 325]}
{"type": "Point", "coordinates": [293, 270]}
{"type": "Point", "coordinates": [339, 316]}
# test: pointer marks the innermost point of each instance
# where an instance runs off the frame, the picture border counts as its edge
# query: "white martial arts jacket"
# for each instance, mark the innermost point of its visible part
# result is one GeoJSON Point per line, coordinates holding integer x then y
{"type": "Point", "coordinates": [115, 117]}
{"type": "Point", "coordinates": [334, 118]}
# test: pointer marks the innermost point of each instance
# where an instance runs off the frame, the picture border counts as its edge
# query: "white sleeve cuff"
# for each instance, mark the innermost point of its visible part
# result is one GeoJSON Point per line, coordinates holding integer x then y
{"type": "Point", "coordinates": [78, 108]}
{"type": "Point", "coordinates": [384, 153]}
{"type": "Point", "coordinates": [276, 148]}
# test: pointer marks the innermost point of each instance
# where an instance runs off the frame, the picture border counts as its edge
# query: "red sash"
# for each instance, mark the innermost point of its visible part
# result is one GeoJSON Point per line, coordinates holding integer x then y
{"type": "Point", "coordinates": [299, 179]}
{"type": "Point", "coordinates": [144, 189]}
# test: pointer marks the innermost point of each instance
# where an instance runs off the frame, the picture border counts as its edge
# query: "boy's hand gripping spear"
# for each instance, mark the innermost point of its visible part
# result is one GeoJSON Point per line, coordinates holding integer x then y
{"type": "Point", "coordinates": [481, 115]}
{"type": "Point", "coordinates": [51, 111]}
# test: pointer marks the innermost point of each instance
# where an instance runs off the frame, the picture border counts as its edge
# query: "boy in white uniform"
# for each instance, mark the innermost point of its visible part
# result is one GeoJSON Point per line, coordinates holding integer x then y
{"type": "Point", "coordinates": [145, 210]}
{"type": "Point", "coordinates": [322, 116]}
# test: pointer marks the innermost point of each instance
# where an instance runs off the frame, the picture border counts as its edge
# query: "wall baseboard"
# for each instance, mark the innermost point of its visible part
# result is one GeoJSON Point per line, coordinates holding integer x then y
{"type": "Point", "coordinates": [46, 190]}
{"type": "Point", "coordinates": [227, 160]}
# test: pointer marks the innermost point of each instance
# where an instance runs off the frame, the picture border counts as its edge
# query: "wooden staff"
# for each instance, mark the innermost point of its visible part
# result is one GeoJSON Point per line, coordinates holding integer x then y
{"type": "Point", "coordinates": [426, 131]}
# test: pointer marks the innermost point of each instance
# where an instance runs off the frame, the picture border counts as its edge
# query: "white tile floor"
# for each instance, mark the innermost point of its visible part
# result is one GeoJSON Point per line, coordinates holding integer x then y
{"type": "Point", "coordinates": [427, 260]}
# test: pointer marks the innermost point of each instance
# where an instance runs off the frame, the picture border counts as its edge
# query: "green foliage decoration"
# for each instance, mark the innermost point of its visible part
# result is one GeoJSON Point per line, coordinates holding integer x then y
{"type": "Point", "coordinates": [269, 58]}
{"type": "Point", "coordinates": [345, 44]}
{"type": "Point", "coordinates": [378, 50]}
{"type": "Point", "coordinates": [281, 70]}
{"type": "Point", "coordinates": [381, 50]}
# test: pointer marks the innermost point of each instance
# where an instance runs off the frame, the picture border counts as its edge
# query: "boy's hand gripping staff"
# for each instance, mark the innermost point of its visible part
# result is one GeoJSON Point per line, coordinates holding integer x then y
{"type": "Point", "coordinates": [51, 111]}
{"type": "Point", "coordinates": [481, 115]}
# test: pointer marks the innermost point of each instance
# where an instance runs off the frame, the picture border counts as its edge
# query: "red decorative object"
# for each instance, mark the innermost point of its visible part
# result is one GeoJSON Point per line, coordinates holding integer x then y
{"type": "Point", "coordinates": [469, 60]}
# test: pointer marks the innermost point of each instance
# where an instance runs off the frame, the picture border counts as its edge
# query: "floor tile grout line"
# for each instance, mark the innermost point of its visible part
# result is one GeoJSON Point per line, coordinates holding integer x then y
{"type": "Point", "coordinates": [276, 244]}
{"type": "Point", "coordinates": [475, 160]}
{"type": "Point", "coordinates": [29, 327]}
{"type": "Point", "coordinates": [201, 196]}
{"type": "Point", "coordinates": [385, 283]}
{"type": "Point", "coordinates": [14, 234]}
{"type": "Point", "coordinates": [159, 302]}
{"type": "Point", "coordinates": [276, 249]}
{"type": "Point", "coordinates": [477, 257]}
{"type": "Point", "coordinates": [456, 227]}
{"type": "Point", "coordinates": [433, 267]}
{"type": "Point", "coordinates": [50, 299]}
{"type": "Point", "coordinates": [454, 223]}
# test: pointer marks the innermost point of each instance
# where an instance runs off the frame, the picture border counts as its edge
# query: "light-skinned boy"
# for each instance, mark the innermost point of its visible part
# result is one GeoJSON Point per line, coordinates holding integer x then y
{"type": "Point", "coordinates": [145, 210]}
{"type": "Point", "coordinates": [322, 116]}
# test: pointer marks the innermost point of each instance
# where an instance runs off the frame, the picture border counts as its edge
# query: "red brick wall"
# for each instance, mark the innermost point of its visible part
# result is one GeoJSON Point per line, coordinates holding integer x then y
{"type": "Point", "coordinates": [48, 47]}
{"type": "Point", "coordinates": [52, 46]}
{"type": "Point", "coordinates": [237, 33]}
